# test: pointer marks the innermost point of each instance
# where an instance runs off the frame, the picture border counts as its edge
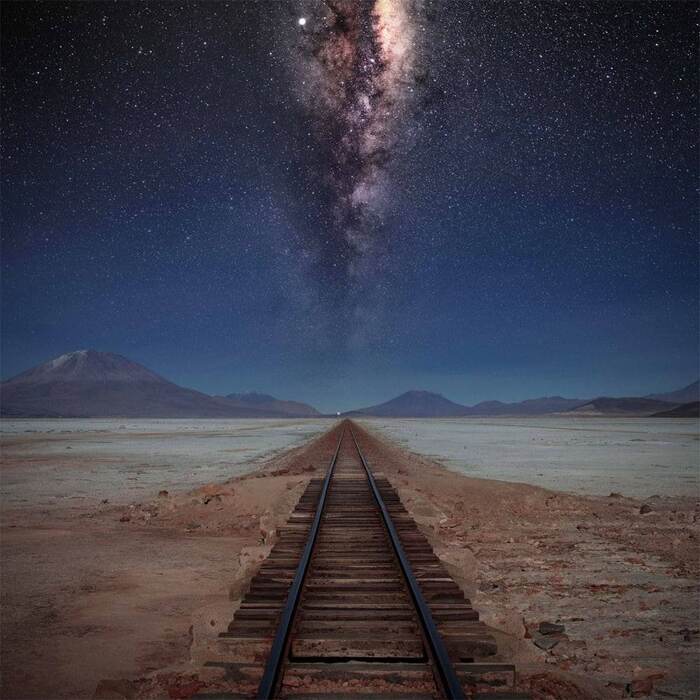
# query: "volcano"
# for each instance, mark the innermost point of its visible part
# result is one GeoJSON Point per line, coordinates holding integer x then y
{"type": "Point", "coordinates": [415, 404]}
{"type": "Point", "coordinates": [88, 383]}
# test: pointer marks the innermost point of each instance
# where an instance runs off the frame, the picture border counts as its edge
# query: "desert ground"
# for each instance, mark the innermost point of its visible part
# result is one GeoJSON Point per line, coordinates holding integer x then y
{"type": "Point", "coordinates": [125, 549]}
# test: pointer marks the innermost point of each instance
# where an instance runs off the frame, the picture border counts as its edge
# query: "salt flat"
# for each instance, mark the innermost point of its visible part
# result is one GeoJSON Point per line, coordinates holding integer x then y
{"type": "Point", "coordinates": [60, 462]}
{"type": "Point", "coordinates": [64, 462]}
{"type": "Point", "coordinates": [588, 455]}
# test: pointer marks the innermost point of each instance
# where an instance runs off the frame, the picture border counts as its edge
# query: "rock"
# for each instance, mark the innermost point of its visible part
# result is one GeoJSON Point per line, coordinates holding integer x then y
{"type": "Point", "coordinates": [119, 689]}
{"type": "Point", "coordinates": [487, 586]}
{"type": "Point", "coordinates": [545, 643]}
{"type": "Point", "coordinates": [614, 494]}
{"type": "Point", "coordinates": [105, 501]}
{"type": "Point", "coordinates": [641, 687]}
{"type": "Point", "coordinates": [646, 508]}
{"type": "Point", "coordinates": [125, 518]}
{"type": "Point", "coordinates": [163, 494]}
{"type": "Point", "coordinates": [550, 628]}
{"type": "Point", "coordinates": [267, 528]}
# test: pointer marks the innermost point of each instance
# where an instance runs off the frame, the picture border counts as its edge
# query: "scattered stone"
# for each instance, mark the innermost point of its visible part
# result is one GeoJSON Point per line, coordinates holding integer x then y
{"type": "Point", "coordinates": [615, 494]}
{"type": "Point", "coordinates": [640, 688]}
{"type": "Point", "coordinates": [688, 634]}
{"type": "Point", "coordinates": [105, 501]}
{"type": "Point", "coordinates": [545, 643]}
{"type": "Point", "coordinates": [550, 628]}
{"type": "Point", "coordinates": [487, 586]}
{"type": "Point", "coordinates": [162, 494]}
{"type": "Point", "coordinates": [125, 518]}
{"type": "Point", "coordinates": [646, 508]}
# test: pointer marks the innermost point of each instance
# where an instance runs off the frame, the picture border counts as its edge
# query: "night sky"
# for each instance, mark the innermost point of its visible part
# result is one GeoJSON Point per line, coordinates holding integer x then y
{"type": "Point", "coordinates": [340, 201]}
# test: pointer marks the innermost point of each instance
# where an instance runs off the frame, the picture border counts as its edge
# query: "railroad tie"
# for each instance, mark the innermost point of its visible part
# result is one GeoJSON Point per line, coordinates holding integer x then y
{"type": "Point", "coordinates": [352, 601]}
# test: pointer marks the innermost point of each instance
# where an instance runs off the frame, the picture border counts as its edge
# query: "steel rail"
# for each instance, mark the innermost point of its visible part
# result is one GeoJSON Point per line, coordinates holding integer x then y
{"type": "Point", "coordinates": [268, 683]}
{"type": "Point", "coordinates": [446, 672]}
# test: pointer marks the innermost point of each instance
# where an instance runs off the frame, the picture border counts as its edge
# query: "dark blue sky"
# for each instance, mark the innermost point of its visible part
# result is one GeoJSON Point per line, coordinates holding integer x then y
{"type": "Point", "coordinates": [490, 200]}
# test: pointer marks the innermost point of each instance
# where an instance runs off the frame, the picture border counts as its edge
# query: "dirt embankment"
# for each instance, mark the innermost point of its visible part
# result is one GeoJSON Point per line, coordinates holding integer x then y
{"type": "Point", "coordinates": [136, 595]}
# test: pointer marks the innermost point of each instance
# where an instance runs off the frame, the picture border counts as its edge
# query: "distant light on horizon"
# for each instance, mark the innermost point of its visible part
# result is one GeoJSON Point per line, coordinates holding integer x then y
{"type": "Point", "coordinates": [302, 21]}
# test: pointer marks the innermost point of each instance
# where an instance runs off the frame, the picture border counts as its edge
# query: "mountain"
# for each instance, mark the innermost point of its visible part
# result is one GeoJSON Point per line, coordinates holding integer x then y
{"type": "Point", "coordinates": [621, 406]}
{"type": "Point", "coordinates": [88, 383]}
{"type": "Point", "coordinates": [687, 394]}
{"type": "Point", "coordinates": [529, 407]}
{"type": "Point", "coordinates": [686, 410]}
{"type": "Point", "coordinates": [414, 404]}
{"type": "Point", "coordinates": [424, 404]}
{"type": "Point", "coordinates": [269, 404]}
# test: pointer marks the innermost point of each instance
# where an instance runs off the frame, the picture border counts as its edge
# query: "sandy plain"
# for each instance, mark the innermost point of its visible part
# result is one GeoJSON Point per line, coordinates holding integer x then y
{"type": "Point", "coordinates": [122, 599]}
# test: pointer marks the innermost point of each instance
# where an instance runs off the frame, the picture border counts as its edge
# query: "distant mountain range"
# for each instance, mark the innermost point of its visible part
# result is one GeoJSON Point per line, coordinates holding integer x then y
{"type": "Point", "coordinates": [606, 405]}
{"type": "Point", "coordinates": [425, 404]}
{"type": "Point", "coordinates": [88, 383]}
{"type": "Point", "coordinates": [94, 384]}
{"type": "Point", "coordinates": [269, 404]}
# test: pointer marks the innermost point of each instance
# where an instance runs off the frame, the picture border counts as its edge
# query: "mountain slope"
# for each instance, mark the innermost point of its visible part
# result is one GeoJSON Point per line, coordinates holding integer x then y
{"type": "Point", "coordinates": [687, 394]}
{"type": "Point", "coordinates": [269, 404]}
{"type": "Point", "coordinates": [414, 404]}
{"type": "Point", "coordinates": [88, 383]}
{"type": "Point", "coordinates": [632, 406]}
{"type": "Point", "coordinates": [686, 410]}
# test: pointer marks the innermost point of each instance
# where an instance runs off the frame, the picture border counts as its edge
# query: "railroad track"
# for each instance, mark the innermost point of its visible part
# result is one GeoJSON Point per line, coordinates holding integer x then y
{"type": "Point", "coordinates": [352, 601]}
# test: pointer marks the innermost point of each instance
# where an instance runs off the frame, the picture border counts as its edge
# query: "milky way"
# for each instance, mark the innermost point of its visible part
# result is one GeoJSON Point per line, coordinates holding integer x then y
{"type": "Point", "coordinates": [359, 78]}
{"type": "Point", "coordinates": [487, 199]}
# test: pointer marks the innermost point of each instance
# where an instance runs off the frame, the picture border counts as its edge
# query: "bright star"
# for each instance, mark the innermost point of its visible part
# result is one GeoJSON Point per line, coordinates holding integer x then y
{"type": "Point", "coordinates": [302, 21]}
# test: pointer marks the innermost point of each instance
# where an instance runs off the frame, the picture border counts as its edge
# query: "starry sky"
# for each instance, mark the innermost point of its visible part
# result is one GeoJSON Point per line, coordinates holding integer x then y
{"type": "Point", "coordinates": [339, 201]}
